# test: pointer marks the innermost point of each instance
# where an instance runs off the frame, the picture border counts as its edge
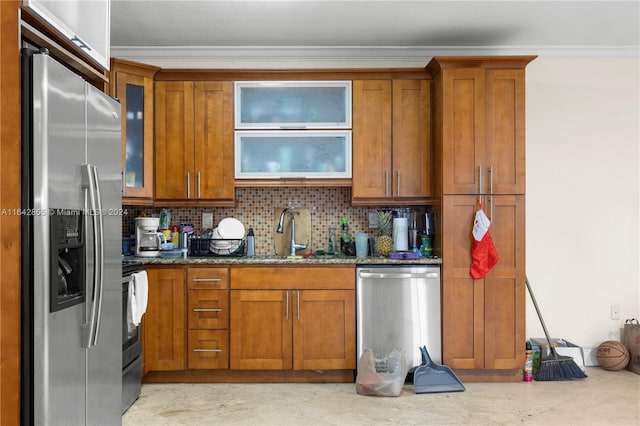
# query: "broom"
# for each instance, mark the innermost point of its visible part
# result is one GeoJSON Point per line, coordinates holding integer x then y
{"type": "Point", "coordinates": [554, 367]}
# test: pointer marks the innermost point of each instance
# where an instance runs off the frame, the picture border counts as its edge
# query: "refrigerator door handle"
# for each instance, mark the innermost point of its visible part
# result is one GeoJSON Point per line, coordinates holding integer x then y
{"type": "Point", "coordinates": [93, 298]}
{"type": "Point", "coordinates": [100, 260]}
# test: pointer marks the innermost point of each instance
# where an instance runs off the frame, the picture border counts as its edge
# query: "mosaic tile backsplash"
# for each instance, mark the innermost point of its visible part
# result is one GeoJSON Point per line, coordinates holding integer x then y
{"type": "Point", "coordinates": [255, 208]}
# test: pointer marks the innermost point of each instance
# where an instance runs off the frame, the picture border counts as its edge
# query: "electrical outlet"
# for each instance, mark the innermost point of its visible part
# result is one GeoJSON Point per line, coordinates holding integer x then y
{"type": "Point", "coordinates": [207, 220]}
{"type": "Point", "coordinates": [615, 312]}
{"type": "Point", "coordinates": [373, 219]}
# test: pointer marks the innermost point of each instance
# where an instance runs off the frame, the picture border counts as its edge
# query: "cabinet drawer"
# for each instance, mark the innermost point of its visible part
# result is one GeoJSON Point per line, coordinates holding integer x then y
{"type": "Point", "coordinates": [207, 278]}
{"type": "Point", "coordinates": [208, 309]}
{"type": "Point", "coordinates": [208, 349]}
{"type": "Point", "coordinates": [294, 278]}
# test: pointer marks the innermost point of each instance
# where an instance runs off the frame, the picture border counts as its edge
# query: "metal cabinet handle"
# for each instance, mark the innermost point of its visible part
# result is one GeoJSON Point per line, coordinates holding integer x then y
{"type": "Point", "coordinates": [188, 185]}
{"type": "Point", "coordinates": [298, 305]}
{"type": "Point", "coordinates": [207, 350]}
{"type": "Point", "coordinates": [198, 280]}
{"type": "Point", "coordinates": [386, 183]}
{"type": "Point", "coordinates": [491, 179]}
{"type": "Point", "coordinates": [198, 184]}
{"type": "Point", "coordinates": [207, 310]}
{"type": "Point", "coordinates": [286, 314]}
{"type": "Point", "coordinates": [80, 43]}
{"type": "Point", "coordinates": [398, 193]}
{"type": "Point", "coordinates": [479, 184]}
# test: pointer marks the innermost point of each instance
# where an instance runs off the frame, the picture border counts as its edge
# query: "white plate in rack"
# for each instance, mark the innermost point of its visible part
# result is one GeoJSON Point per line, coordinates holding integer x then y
{"type": "Point", "coordinates": [231, 228]}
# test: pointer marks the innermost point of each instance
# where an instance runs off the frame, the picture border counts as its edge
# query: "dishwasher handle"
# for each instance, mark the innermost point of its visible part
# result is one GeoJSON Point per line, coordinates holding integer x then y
{"type": "Point", "coordinates": [398, 275]}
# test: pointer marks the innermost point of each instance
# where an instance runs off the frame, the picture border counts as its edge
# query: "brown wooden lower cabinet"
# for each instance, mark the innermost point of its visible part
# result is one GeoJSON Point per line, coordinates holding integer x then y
{"type": "Point", "coordinates": [292, 329]}
{"type": "Point", "coordinates": [483, 329]}
{"type": "Point", "coordinates": [199, 328]}
{"type": "Point", "coordinates": [165, 321]}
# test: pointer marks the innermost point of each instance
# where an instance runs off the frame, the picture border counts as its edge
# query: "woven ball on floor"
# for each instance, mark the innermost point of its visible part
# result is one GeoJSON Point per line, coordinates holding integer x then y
{"type": "Point", "coordinates": [612, 355]}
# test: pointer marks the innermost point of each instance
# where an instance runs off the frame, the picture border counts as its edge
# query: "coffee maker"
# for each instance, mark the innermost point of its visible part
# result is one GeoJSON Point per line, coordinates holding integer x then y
{"type": "Point", "coordinates": [148, 239]}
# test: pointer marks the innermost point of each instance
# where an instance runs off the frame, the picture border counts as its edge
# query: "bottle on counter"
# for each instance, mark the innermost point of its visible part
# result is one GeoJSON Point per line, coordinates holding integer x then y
{"type": "Point", "coordinates": [345, 239]}
{"type": "Point", "coordinates": [331, 245]}
{"type": "Point", "coordinates": [527, 373]}
{"type": "Point", "coordinates": [175, 235]}
{"type": "Point", "coordinates": [251, 244]}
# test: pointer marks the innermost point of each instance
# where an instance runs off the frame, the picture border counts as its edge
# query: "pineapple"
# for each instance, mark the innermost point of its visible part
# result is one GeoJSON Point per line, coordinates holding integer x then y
{"type": "Point", "coordinates": [384, 243]}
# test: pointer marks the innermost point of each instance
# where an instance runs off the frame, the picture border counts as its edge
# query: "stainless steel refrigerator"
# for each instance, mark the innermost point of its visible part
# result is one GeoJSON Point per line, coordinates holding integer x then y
{"type": "Point", "coordinates": [71, 260]}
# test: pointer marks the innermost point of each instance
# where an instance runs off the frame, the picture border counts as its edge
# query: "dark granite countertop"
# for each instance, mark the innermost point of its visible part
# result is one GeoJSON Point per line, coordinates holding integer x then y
{"type": "Point", "coordinates": [284, 260]}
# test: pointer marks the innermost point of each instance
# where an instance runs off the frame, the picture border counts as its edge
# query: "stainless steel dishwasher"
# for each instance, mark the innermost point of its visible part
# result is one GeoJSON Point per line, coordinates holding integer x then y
{"type": "Point", "coordinates": [399, 306]}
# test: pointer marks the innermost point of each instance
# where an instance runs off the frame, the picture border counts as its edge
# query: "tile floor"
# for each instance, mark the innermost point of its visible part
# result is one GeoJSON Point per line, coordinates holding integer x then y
{"type": "Point", "coordinates": [604, 398]}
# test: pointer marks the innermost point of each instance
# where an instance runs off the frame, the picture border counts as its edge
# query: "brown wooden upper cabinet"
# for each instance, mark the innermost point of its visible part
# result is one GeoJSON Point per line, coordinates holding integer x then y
{"type": "Point", "coordinates": [391, 141]}
{"type": "Point", "coordinates": [194, 142]}
{"type": "Point", "coordinates": [132, 84]}
{"type": "Point", "coordinates": [480, 125]}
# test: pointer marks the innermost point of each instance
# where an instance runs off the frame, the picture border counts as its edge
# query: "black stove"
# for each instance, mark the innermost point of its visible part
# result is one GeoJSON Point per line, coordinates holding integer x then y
{"type": "Point", "coordinates": [130, 265]}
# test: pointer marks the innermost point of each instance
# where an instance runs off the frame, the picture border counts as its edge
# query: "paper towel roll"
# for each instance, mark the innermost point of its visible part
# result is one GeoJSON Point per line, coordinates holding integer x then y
{"type": "Point", "coordinates": [400, 234]}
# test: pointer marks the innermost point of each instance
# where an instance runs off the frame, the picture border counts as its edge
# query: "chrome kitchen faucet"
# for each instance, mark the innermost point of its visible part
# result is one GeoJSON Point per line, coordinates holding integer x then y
{"type": "Point", "coordinates": [293, 246]}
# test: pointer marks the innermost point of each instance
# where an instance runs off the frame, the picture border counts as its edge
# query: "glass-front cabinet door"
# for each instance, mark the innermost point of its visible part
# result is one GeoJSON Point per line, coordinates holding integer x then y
{"type": "Point", "coordinates": [292, 105]}
{"type": "Point", "coordinates": [293, 154]}
{"type": "Point", "coordinates": [134, 88]}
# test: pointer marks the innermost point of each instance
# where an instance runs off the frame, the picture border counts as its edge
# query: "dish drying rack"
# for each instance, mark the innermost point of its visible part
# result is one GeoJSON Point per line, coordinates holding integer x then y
{"type": "Point", "coordinates": [216, 247]}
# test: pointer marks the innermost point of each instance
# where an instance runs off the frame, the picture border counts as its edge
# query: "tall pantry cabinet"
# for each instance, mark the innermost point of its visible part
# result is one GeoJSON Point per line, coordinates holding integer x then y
{"type": "Point", "coordinates": [479, 157]}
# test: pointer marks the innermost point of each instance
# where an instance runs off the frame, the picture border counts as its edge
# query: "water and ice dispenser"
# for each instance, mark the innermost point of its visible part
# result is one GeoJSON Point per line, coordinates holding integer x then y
{"type": "Point", "coordinates": [67, 262]}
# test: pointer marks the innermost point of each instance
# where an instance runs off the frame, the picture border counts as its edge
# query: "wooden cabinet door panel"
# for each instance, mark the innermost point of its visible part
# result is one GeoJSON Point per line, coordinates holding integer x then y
{"type": "Point", "coordinates": [463, 130]}
{"type": "Point", "coordinates": [261, 337]}
{"type": "Point", "coordinates": [208, 349]}
{"type": "Point", "coordinates": [324, 330]}
{"type": "Point", "coordinates": [462, 298]}
{"type": "Point", "coordinates": [483, 320]}
{"type": "Point", "coordinates": [371, 144]}
{"type": "Point", "coordinates": [505, 139]}
{"type": "Point", "coordinates": [214, 165]}
{"type": "Point", "coordinates": [411, 138]}
{"type": "Point", "coordinates": [165, 327]}
{"type": "Point", "coordinates": [174, 140]}
{"type": "Point", "coordinates": [504, 285]}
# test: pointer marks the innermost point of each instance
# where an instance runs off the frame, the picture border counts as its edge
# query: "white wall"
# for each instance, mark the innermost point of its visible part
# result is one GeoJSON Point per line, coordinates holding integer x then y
{"type": "Point", "coordinates": [583, 191]}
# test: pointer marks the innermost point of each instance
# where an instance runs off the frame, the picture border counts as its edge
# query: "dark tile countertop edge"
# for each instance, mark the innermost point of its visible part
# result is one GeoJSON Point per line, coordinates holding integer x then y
{"type": "Point", "coordinates": [280, 260]}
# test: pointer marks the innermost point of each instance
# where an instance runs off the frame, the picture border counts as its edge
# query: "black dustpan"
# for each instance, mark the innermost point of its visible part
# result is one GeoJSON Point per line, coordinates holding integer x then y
{"type": "Point", "coordinates": [430, 377]}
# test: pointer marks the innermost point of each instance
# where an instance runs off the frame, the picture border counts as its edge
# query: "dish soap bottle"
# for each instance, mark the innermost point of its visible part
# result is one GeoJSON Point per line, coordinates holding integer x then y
{"type": "Point", "coordinates": [345, 239]}
{"type": "Point", "coordinates": [251, 244]}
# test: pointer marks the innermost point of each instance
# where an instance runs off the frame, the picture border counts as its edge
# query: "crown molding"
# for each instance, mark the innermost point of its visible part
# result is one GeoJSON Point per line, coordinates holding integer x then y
{"type": "Point", "coordinates": [278, 57]}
